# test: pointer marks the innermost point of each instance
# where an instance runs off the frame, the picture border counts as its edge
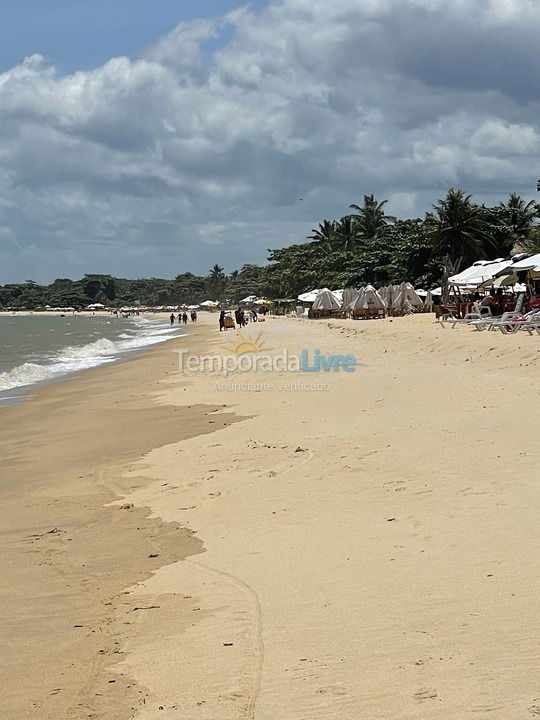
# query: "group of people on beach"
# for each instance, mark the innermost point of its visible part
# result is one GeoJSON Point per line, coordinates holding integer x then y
{"type": "Point", "coordinates": [183, 317]}
{"type": "Point", "coordinates": [241, 316]}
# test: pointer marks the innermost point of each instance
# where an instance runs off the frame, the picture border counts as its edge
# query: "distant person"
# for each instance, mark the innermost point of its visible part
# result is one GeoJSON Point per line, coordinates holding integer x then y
{"type": "Point", "coordinates": [222, 320]}
{"type": "Point", "coordinates": [172, 318]}
{"type": "Point", "coordinates": [184, 318]}
{"type": "Point", "coordinates": [237, 315]}
{"type": "Point", "coordinates": [179, 318]}
{"type": "Point", "coordinates": [193, 316]}
{"type": "Point", "coordinates": [254, 316]}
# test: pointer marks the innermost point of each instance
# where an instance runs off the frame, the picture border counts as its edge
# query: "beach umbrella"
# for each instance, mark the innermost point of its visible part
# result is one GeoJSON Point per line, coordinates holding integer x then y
{"type": "Point", "coordinates": [309, 297]}
{"type": "Point", "coordinates": [209, 303]}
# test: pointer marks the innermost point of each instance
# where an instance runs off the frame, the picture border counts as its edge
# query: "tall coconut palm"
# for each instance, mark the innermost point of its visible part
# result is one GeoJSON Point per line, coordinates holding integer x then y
{"type": "Point", "coordinates": [325, 235]}
{"type": "Point", "coordinates": [460, 228]}
{"type": "Point", "coordinates": [519, 218]}
{"type": "Point", "coordinates": [217, 280]}
{"type": "Point", "coordinates": [370, 218]}
{"type": "Point", "coordinates": [346, 232]}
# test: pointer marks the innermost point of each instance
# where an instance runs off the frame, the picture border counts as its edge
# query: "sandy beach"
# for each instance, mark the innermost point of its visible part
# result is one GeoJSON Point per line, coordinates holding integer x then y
{"type": "Point", "coordinates": [193, 547]}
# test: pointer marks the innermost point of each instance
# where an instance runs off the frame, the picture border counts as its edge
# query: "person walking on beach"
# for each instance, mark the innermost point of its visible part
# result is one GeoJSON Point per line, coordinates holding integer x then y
{"type": "Point", "coordinates": [172, 318]}
{"type": "Point", "coordinates": [222, 320]}
{"type": "Point", "coordinates": [184, 318]}
{"type": "Point", "coordinates": [193, 316]}
{"type": "Point", "coordinates": [179, 318]}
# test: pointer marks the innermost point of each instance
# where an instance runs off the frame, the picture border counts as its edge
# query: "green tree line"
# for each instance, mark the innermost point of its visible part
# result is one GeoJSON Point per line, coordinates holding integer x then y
{"type": "Point", "coordinates": [366, 245]}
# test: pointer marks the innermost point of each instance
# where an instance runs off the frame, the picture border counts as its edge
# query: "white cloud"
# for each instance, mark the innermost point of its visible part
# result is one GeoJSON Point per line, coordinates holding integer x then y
{"type": "Point", "coordinates": [200, 150]}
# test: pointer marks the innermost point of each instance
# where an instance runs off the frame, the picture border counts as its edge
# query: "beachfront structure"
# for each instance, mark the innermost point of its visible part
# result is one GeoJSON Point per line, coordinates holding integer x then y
{"type": "Point", "coordinates": [365, 302]}
{"type": "Point", "coordinates": [326, 300]}
{"type": "Point", "coordinates": [368, 304]}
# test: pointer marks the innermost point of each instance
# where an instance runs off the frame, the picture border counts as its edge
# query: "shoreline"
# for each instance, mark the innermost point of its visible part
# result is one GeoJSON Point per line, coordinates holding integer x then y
{"type": "Point", "coordinates": [23, 393]}
{"type": "Point", "coordinates": [62, 559]}
{"type": "Point", "coordinates": [365, 551]}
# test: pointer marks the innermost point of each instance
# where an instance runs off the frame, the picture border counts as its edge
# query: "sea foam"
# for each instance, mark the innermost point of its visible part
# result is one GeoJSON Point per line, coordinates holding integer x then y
{"type": "Point", "coordinates": [74, 358]}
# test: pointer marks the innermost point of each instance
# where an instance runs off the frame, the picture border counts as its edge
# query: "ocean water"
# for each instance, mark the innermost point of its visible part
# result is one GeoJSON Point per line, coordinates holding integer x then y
{"type": "Point", "coordinates": [38, 349]}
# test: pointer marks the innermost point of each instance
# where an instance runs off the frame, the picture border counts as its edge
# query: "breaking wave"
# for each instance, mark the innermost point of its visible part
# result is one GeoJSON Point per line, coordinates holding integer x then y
{"type": "Point", "coordinates": [74, 358]}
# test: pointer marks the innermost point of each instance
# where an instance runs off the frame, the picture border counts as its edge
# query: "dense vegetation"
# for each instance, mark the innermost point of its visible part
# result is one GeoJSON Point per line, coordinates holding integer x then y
{"type": "Point", "coordinates": [364, 246]}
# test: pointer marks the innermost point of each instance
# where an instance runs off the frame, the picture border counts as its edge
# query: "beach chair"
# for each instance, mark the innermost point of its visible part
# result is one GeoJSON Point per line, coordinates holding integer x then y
{"type": "Point", "coordinates": [479, 312]}
{"type": "Point", "coordinates": [530, 322]}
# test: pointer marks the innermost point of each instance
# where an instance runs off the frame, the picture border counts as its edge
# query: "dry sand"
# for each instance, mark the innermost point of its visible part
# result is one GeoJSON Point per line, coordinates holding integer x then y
{"type": "Point", "coordinates": [367, 551]}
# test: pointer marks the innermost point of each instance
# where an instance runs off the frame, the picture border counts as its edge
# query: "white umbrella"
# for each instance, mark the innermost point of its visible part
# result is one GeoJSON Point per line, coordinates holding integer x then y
{"type": "Point", "coordinates": [309, 297]}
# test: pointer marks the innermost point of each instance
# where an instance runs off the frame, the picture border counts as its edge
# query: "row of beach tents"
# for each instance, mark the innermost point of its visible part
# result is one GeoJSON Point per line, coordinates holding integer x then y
{"type": "Point", "coordinates": [401, 298]}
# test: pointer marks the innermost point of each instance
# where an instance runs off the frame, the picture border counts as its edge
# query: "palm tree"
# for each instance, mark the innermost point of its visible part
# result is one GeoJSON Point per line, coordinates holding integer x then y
{"type": "Point", "coordinates": [519, 218]}
{"type": "Point", "coordinates": [370, 218]}
{"type": "Point", "coordinates": [326, 235]}
{"type": "Point", "coordinates": [460, 228]}
{"type": "Point", "coordinates": [217, 280]}
{"type": "Point", "coordinates": [347, 232]}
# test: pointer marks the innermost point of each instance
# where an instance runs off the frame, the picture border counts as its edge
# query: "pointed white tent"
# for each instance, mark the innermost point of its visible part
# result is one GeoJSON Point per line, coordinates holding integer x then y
{"type": "Point", "coordinates": [369, 299]}
{"type": "Point", "coordinates": [349, 297]}
{"type": "Point", "coordinates": [407, 298]}
{"type": "Point", "coordinates": [326, 300]}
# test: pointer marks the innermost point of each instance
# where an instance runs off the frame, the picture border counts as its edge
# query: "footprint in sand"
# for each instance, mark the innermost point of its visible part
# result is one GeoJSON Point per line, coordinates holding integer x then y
{"type": "Point", "coordinates": [425, 694]}
{"type": "Point", "coordinates": [333, 690]}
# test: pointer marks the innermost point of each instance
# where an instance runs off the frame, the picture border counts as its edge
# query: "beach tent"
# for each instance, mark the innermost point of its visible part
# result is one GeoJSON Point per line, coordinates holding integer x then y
{"type": "Point", "coordinates": [326, 300]}
{"type": "Point", "coordinates": [192, 307]}
{"type": "Point", "coordinates": [209, 303]}
{"type": "Point", "coordinates": [406, 298]}
{"type": "Point", "coordinates": [349, 296]}
{"type": "Point", "coordinates": [391, 295]}
{"type": "Point", "coordinates": [339, 295]}
{"type": "Point", "coordinates": [368, 299]}
{"type": "Point", "coordinates": [95, 306]}
{"type": "Point", "coordinates": [249, 299]}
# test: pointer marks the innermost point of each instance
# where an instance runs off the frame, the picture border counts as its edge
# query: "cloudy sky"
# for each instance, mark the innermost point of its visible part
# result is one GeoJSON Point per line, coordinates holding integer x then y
{"type": "Point", "coordinates": [145, 139]}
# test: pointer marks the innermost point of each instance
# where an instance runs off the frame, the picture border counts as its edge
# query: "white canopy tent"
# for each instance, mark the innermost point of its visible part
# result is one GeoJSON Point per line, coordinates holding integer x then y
{"type": "Point", "coordinates": [530, 264]}
{"type": "Point", "coordinates": [479, 273]}
{"type": "Point", "coordinates": [349, 297]}
{"type": "Point", "coordinates": [326, 300]}
{"type": "Point", "coordinates": [368, 299]}
{"type": "Point", "coordinates": [406, 298]}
